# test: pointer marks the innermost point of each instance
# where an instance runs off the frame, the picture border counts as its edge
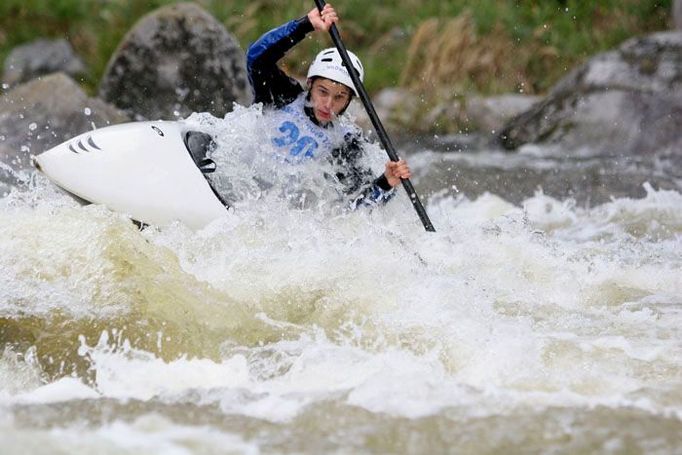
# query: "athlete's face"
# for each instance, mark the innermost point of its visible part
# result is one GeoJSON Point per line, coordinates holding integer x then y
{"type": "Point", "coordinates": [328, 98]}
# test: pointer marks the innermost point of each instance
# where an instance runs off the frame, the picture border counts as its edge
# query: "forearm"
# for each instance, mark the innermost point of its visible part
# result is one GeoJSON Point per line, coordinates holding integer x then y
{"type": "Point", "coordinates": [377, 192]}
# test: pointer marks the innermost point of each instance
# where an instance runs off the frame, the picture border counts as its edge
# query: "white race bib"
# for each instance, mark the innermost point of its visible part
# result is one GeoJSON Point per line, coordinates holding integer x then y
{"type": "Point", "coordinates": [296, 138]}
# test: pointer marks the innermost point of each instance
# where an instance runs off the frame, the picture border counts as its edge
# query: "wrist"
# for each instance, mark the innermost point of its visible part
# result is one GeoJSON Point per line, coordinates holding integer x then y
{"type": "Point", "coordinates": [306, 23]}
{"type": "Point", "coordinates": [384, 183]}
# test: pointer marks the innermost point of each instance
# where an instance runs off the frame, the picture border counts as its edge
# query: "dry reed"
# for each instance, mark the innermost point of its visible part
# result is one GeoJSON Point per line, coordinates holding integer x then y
{"type": "Point", "coordinates": [447, 56]}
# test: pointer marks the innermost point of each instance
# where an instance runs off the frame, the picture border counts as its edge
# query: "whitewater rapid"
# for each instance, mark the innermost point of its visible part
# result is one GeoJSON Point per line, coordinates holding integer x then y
{"type": "Point", "coordinates": [543, 325]}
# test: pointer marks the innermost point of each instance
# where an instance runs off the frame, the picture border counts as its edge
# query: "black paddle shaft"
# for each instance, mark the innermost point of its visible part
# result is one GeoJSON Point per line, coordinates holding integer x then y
{"type": "Point", "coordinates": [381, 132]}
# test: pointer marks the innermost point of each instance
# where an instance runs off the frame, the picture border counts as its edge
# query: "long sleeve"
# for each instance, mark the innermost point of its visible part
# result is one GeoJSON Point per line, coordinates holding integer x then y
{"type": "Point", "coordinates": [271, 85]}
{"type": "Point", "coordinates": [379, 191]}
{"type": "Point", "coordinates": [358, 181]}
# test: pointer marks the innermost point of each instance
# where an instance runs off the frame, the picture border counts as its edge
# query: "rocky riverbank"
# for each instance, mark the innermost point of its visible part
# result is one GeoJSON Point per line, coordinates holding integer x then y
{"type": "Point", "coordinates": [175, 61]}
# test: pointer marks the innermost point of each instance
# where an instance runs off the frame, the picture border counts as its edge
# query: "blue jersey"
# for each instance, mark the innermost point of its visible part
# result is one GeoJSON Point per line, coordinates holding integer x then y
{"type": "Point", "coordinates": [297, 135]}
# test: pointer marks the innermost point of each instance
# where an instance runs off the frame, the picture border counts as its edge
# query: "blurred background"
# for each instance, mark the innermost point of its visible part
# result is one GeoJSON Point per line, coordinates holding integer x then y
{"type": "Point", "coordinates": [501, 45]}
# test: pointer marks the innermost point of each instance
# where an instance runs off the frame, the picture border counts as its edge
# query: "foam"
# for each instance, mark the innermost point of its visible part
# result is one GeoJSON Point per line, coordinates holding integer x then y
{"type": "Point", "coordinates": [275, 309]}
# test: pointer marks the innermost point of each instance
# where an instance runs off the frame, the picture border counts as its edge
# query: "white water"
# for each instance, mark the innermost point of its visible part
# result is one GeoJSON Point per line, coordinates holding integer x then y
{"type": "Point", "coordinates": [536, 327]}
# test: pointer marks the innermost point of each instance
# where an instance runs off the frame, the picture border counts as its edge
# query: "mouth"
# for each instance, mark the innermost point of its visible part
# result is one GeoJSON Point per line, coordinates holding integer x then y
{"type": "Point", "coordinates": [322, 115]}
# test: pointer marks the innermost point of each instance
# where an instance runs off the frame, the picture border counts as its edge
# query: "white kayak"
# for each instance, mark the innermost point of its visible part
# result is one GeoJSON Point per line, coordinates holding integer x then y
{"type": "Point", "coordinates": [155, 172]}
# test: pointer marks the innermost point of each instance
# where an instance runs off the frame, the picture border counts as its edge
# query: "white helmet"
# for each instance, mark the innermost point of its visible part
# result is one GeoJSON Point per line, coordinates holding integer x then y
{"type": "Point", "coordinates": [328, 64]}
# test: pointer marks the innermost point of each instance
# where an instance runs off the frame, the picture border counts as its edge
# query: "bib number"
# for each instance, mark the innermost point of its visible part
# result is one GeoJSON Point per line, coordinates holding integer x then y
{"type": "Point", "coordinates": [297, 144]}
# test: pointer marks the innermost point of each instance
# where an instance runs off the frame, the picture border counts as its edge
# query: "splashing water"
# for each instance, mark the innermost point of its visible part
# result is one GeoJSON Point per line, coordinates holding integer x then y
{"type": "Point", "coordinates": [304, 327]}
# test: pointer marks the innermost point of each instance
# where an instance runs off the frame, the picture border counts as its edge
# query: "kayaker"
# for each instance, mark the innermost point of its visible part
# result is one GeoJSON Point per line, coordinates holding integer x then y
{"type": "Point", "coordinates": [307, 119]}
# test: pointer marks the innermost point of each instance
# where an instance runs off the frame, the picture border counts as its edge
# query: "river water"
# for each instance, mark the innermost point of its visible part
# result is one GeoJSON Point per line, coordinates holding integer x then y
{"type": "Point", "coordinates": [543, 316]}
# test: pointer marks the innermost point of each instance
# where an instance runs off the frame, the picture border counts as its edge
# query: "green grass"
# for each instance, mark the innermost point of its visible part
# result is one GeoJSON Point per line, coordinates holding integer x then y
{"type": "Point", "coordinates": [546, 38]}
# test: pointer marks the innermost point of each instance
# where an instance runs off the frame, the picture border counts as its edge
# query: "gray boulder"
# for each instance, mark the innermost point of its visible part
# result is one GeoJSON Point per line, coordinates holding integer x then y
{"type": "Point", "coordinates": [624, 101]}
{"type": "Point", "coordinates": [39, 58]}
{"type": "Point", "coordinates": [176, 60]}
{"type": "Point", "coordinates": [403, 113]}
{"type": "Point", "coordinates": [44, 112]}
{"type": "Point", "coordinates": [490, 114]}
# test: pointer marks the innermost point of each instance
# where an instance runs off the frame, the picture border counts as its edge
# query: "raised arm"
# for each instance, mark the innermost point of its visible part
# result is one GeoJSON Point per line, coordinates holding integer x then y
{"type": "Point", "coordinates": [271, 85]}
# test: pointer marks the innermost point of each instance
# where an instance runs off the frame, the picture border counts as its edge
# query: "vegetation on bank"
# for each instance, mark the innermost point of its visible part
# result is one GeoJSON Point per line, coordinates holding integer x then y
{"type": "Point", "coordinates": [439, 48]}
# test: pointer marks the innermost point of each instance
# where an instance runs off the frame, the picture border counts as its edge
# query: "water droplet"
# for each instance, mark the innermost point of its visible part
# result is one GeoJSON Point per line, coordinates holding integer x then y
{"type": "Point", "coordinates": [87, 111]}
{"type": "Point", "coordinates": [5, 86]}
{"type": "Point", "coordinates": [33, 126]}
